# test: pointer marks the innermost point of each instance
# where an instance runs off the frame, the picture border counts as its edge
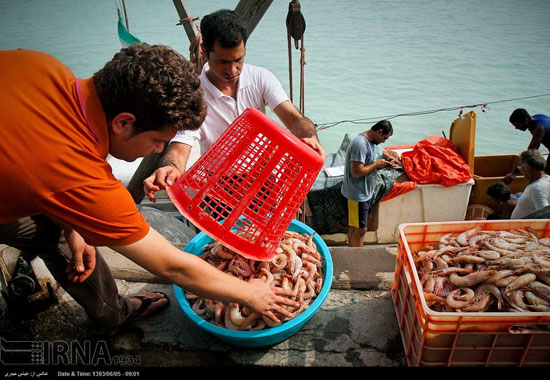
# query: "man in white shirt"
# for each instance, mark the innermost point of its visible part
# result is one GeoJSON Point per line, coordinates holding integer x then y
{"type": "Point", "coordinates": [230, 86]}
{"type": "Point", "coordinates": [536, 195]}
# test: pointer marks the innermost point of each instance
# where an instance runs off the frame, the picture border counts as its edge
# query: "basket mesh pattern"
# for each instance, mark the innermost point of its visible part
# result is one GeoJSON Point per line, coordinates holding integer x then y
{"type": "Point", "coordinates": [245, 190]}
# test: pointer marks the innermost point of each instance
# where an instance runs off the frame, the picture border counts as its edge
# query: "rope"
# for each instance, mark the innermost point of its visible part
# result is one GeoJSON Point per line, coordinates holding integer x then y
{"type": "Point", "coordinates": [296, 26]}
{"type": "Point", "coordinates": [369, 120]}
{"type": "Point", "coordinates": [187, 19]}
{"type": "Point", "coordinates": [196, 56]}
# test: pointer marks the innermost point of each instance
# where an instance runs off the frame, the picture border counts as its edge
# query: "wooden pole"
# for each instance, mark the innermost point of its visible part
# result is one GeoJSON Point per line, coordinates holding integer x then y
{"type": "Point", "coordinates": [150, 163]}
{"type": "Point", "coordinates": [186, 19]}
{"type": "Point", "coordinates": [252, 12]}
{"type": "Point", "coordinates": [125, 15]}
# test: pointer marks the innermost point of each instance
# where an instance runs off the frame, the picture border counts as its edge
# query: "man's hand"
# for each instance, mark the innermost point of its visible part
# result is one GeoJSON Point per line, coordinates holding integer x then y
{"type": "Point", "coordinates": [384, 164]}
{"type": "Point", "coordinates": [314, 143]}
{"type": "Point", "coordinates": [268, 300]}
{"type": "Point", "coordinates": [159, 180]}
{"type": "Point", "coordinates": [508, 178]}
{"type": "Point", "coordinates": [82, 262]}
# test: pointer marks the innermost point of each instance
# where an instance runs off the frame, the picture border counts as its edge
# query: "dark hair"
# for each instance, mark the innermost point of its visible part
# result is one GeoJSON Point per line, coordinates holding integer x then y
{"type": "Point", "coordinates": [384, 125]}
{"type": "Point", "coordinates": [499, 191]}
{"type": "Point", "coordinates": [519, 115]}
{"type": "Point", "coordinates": [155, 84]}
{"type": "Point", "coordinates": [224, 26]}
{"type": "Point", "coordinates": [533, 158]}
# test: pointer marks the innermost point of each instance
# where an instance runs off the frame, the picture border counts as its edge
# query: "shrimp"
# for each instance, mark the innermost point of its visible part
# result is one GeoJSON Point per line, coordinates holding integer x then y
{"type": "Point", "coordinates": [534, 299]}
{"type": "Point", "coordinates": [470, 279]}
{"type": "Point", "coordinates": [267, 276]}
{"type": "Point", "coordinates": [458, 301]}
{"type": "Point", "coordinates": [539, 258]}
{"type": "Point", "coordinates": [439, 286]}
{"type": "Point", "coordinates": [481, 305]}
{"type": "Point", "coordinates": [540, 289]}
{"type": "Point", "coordinates": [500, 275]}
{"type": "Point", "coordinates": [199, 307]}
{"type": "Point", "coordinates": [489, 255]}
{"type": "Point", "coordinates": [451, 270]}
{"type": "Point", "coordinates": [431, 298]}
{"type": "Point", "coordinates": [493, 290]}
{"type": "Point", "coordinates": [296, 267]}
{"type": "Point", "coordinates": [428, 283]}
{"type": "Point", "coordinates": [468, 259]}
{"type": "Point", "coordinates": [227, 321]}
{"type": "Point", "coordinates": [441, 263]}
{"type": "Point", "coordinates": [220, 311]}
{"type": "Point", "coordinates": [239, 266]}
{"type": "Point", "coordinates": [517, 298]}
{"type": "Point", "coordinates": [503, 282]}
{"type": "Point", "coordinates": [252, 317]}
{"type": "Point", "coordinates": [222, 252]}
{"type": "Point", "coordinates": [519, 282]}
{"type": "Point", "coordinates": [235, 315]}
{"type": "Point", "coordinates": [465, 236]}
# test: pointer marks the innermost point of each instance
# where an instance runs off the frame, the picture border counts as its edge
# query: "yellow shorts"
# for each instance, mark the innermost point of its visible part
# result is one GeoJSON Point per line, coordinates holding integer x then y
{"type": "Point", "coordinates": [358, 213]}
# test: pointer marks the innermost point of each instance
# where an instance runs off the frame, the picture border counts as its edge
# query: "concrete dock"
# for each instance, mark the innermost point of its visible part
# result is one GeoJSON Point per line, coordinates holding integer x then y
{"type": "Point", "coordinates": [355, 327]}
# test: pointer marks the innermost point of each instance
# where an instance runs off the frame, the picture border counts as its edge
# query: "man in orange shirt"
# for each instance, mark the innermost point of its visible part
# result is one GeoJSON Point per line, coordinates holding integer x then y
{"type": "Point", "coordinates": [59, 197]}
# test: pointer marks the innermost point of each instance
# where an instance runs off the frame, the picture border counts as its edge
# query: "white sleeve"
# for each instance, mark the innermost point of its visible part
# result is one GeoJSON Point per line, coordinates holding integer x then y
{"type": "Point", "coordinates": [539, 197]}
{"type": "Point", "coordinates": [187, 137]}
{"type": "Point", "coordinates": [273, 91]}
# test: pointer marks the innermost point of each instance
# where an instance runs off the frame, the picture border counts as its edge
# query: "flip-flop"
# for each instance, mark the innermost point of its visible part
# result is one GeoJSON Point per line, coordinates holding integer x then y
{"type": "Point", "coordinates": [145, 303]}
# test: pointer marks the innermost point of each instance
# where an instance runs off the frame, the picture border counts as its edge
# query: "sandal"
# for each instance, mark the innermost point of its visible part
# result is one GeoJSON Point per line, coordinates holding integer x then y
{"type": "Point", "coordinates": [145, 303]}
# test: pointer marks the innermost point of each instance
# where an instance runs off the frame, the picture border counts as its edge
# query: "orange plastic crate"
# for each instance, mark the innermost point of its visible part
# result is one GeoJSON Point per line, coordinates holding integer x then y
{"type": "Point", "coordinates": [433, 338]}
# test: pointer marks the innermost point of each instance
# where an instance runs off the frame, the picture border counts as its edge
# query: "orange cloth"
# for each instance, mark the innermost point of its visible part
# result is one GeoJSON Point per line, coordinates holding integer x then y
{"type": "Point", "coordinates": [53, 161]}
{"type": "Point", "coordinates": [432, 160]}
{"type": "Point", "coordinates": [436, 160]}
{"type": "Point", "coordinates": [398, 189]}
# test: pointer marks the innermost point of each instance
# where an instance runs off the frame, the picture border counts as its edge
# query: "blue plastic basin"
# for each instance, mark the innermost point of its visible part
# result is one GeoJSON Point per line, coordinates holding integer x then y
{"type": "Point", "coordinates": [266, 336]}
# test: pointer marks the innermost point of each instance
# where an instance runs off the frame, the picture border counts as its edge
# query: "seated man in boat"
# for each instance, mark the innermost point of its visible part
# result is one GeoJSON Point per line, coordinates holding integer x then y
{"type": "Point", "coordinates": [60, 198]}
{"type": "Point", "coordinates": [357, 186]}
{"type": "Point", "coordinates": [230, 86]}
{"type": "Point", "coordinates": [539, 127]}
{"type": "Point", "coordinates": [537, 193]}
{"type": "Point", "coordinates": [507, 201]}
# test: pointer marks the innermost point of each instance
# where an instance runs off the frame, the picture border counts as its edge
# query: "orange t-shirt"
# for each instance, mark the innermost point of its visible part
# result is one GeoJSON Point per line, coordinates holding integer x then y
{"type": "Point", "coordinates": [53, 152]}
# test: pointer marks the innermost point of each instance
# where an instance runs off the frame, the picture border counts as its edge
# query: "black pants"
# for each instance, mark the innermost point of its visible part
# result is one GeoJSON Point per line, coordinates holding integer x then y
{"type": "Point", "coordinates": [98, 295]}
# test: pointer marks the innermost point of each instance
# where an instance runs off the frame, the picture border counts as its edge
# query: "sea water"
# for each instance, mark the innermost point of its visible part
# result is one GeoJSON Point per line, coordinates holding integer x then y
{"type": "Point", "coordinates": [365, 60]}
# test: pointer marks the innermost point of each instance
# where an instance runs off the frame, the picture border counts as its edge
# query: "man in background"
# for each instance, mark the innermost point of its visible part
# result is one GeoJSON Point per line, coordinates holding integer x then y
{"type": "Point", "coordinates": [230, 86]}
{"type": "Point", "coordinates": [358, 186]}
{"type": "Point", "coordinates": [536, 195]}
{"type": "Point", "coordinates": [539, 127]}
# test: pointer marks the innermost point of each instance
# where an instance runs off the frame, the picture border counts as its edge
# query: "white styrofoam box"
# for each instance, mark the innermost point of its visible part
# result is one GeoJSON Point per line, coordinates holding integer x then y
{"type": "Point", "coordinates": [426, 203]}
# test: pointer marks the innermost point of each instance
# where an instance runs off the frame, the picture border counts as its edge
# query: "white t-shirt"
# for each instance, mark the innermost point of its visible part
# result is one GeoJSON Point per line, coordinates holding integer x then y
{"type": "Point", "coordinates": [256, 88]}
{"type": "Point", "coordinates": [536, 196]}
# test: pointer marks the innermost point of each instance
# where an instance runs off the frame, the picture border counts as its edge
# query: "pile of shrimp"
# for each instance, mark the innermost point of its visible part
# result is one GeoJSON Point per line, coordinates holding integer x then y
{"type": "Point", "coordinates": [481, 270]}
{"type": "Point", "coordinates": [297, 266]}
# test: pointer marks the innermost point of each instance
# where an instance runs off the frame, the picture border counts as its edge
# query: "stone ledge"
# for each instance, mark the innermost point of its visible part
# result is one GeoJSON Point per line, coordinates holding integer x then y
{"type": "Point", "coordinates": [370, 267]}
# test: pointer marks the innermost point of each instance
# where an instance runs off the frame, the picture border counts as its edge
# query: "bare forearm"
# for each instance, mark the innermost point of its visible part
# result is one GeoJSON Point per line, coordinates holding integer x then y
{"type": "Point", "coordinates": [183, 269]}
{"type": "Point", "coordinates": [303, 127]}
{"type": "Point", "coordinates": [176, 155]}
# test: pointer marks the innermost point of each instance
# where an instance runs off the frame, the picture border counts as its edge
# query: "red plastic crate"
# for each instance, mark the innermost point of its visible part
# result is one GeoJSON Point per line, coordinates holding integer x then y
{"type": "Point", "coordinates": [433, 338]}
{"type": "Point", "coordinates": [246, 189]}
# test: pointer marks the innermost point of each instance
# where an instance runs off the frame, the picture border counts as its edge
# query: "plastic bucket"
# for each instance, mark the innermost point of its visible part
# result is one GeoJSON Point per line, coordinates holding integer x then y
{"type": "Point", "coordinates": [246, 189]}
{"type": "Point", "coordinates": [271, 335]}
